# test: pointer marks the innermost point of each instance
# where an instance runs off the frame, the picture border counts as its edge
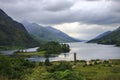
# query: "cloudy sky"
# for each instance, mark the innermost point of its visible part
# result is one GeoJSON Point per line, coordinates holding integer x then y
{"type": "Point", "coordinates": [82, 19]}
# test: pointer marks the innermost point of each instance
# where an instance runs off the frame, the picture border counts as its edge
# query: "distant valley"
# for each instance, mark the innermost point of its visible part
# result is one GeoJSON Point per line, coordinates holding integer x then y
{"type": "Point", "coordinates": [47, 33]}
{"type": "Point", "coordinates": [16, 35]}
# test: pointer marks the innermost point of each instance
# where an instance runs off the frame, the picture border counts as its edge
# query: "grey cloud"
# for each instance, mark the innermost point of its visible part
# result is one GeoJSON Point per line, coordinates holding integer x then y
{"type": "Point", "coordinates": [9, 1]}
{"type": "Point", "coordinates": [92, 0]}
{"type": "Point", "coordinates": [60, 11]}
{"type": "Point", "coordinates": [114, 0]}
{"type": "Point", "coordinates": [115, 6]}
{"type": "Point", "coordinates": [57, 5]}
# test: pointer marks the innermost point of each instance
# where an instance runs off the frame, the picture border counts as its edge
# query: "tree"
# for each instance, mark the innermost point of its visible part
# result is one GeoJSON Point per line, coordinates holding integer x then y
{"type": "Point", "coordinates": [47, 62]}
{"type": "Point", "coordinates": [65, 48]}
{"type": "Point", "coordinates": [54, 48]}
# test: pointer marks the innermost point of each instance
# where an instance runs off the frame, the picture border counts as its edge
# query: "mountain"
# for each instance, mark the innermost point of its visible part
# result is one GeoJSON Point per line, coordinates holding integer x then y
{"type": "Point", "coordinates": [111, 38]}
{"type": "Point", "coordinates": [102, 35]}
{"type": "Point", "coordinates": [45, 34]}
{"type": "Point", "coordinates": [62, 34]}
{"type": "Point", "coordinates": [13, 33]}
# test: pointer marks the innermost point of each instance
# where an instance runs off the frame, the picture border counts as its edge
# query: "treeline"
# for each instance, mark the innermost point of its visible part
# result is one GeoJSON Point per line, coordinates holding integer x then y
{"type": "Point", "coordinates": [54, 48]}
{"type": "Point", "coordinates": [110, 41]}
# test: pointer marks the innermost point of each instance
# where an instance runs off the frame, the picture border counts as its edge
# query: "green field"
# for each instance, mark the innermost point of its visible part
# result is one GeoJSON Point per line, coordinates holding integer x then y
{"type": "Point", "coordinates": [101, 71]}
{"type": "Point", "coordinates": [104, 71]}
{"type": "Point", "coordinates": [18, 68]}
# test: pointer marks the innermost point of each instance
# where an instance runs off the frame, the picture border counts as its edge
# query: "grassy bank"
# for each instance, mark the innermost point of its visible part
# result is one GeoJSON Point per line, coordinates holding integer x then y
{"type": "Point", "coordinates": [17, 68]}
{"type": "Point", "coordinates": [80, 71]}
{"type": "Point", "coordinates": [101, 71]}
{"type": "Point", "coordinates": [29, 54]}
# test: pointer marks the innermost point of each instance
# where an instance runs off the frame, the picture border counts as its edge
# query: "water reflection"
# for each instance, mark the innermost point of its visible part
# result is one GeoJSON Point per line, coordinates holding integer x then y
{"type": "Point", "coordinates": [86, 51]}
{"type": "Point", "coordinates": [8, 52]}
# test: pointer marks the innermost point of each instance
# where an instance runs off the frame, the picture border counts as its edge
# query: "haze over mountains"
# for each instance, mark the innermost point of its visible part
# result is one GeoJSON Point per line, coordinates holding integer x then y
{"type": "Point", "coordinates": [48, 33]}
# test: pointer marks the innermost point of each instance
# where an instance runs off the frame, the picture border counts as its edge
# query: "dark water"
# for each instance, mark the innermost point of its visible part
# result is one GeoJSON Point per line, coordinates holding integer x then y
{"type": "Point", "coordinates": [86, 51]}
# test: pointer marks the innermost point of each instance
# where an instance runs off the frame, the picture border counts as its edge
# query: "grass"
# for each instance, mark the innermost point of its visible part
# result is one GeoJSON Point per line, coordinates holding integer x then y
{"type": "Point", "coordinates": [107, 70]}
{"type": "Point", "coordinates": [29, 54]}
{"type": "Point", "coordinates": [102, 71]}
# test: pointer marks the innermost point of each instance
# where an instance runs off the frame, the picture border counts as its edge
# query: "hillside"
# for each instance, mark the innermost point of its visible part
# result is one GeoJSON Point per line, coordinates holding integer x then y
{"type": "Point", "coordinates": [111, 38]}
{"type": "Point", "coordinates": [13, 34]}
{"type": "Point", "coordinates": [62, 34]}
{"type": "Point", "coordinates": [102, 35]}
{"type": "Point", "coordinates": [45, 34]}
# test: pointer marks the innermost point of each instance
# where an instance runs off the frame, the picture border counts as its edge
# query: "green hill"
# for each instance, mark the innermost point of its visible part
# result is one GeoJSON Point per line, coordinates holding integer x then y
{"type": "Point", "coordinates": [13, 34]}
{"type": "Point", "coordinates": [111, 38]}
{"type": "Point", "coordinates": [45, 34]}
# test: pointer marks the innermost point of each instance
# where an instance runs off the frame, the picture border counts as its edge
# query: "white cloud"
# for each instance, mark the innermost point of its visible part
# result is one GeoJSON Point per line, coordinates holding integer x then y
{"type": "Point", "coordinates": [83, 31]}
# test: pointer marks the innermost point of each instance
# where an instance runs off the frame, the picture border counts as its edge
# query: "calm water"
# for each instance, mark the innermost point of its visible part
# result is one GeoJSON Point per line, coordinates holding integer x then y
{"type": "Point", "coordinates": [86, 51]}
{"type": "Point", "coordinates": [10, 52]}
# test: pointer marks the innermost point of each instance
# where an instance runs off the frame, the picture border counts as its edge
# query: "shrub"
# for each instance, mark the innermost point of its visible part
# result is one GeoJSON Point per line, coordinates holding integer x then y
{"type": "Point", "coordinates": [62, 66]}
{"type": "Point", "coordinates": [47, 62]}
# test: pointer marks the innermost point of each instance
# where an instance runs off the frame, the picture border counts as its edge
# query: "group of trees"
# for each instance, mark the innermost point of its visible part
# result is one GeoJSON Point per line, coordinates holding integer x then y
{"type": "Point", "coordinates": [54, 48]}
{"type": "Point", "coordinates": [110, 41]}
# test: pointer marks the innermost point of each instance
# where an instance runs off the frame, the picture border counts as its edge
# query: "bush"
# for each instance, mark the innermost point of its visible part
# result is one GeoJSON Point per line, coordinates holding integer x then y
{"type": "Point", "coordinates": [115, 70]}
{"type": "Point", "coordinates": [47, 62]}
{"type": "Point", "coordinates": [5, 66]}
{"type": "Point", "coordinates": [15, 68]}
{"type": "Point", "coordinates": [62, 66]}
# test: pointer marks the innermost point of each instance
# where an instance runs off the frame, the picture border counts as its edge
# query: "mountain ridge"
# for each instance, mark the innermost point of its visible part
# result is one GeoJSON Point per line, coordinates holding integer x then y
{"type": "Point", "coordinates": [60, 33]}
{"type": "Point", "coordinates": [102, 35]}
{"type": "Point", "coordinates": [47, 33]}
{"type": "Point", "coordinates": [111, 38]}
{"type": "Point", "coordinates": [13, 33]}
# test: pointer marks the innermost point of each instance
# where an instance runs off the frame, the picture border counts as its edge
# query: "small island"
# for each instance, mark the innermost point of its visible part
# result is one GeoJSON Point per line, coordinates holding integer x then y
{"type": "Point", "coordinates": [46, 50]}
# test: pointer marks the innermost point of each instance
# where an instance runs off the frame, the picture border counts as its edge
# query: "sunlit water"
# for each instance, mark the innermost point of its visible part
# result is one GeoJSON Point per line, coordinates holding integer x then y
{"type": "Point", "coordinates": [85, 51]}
